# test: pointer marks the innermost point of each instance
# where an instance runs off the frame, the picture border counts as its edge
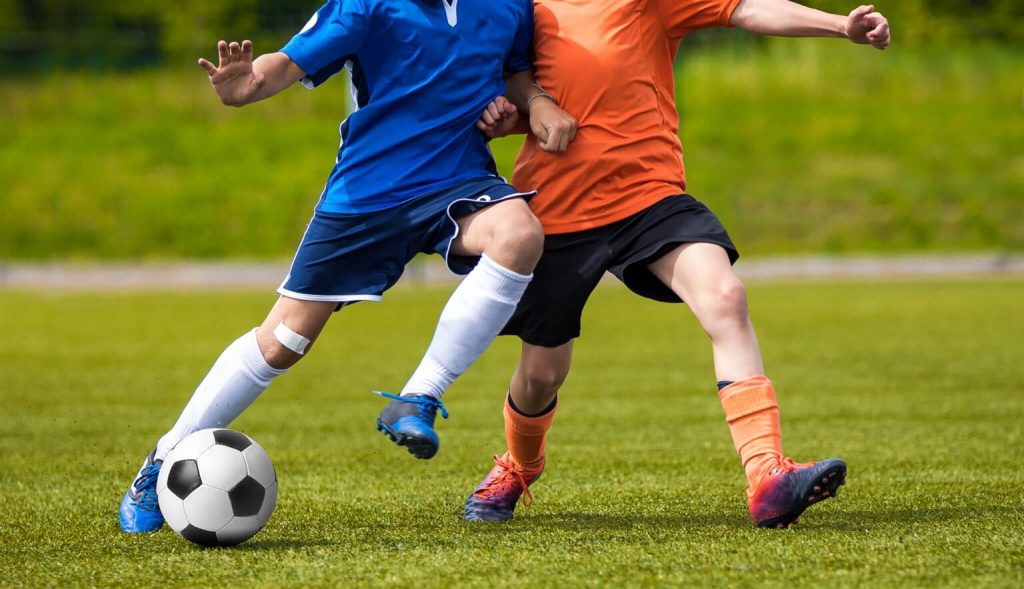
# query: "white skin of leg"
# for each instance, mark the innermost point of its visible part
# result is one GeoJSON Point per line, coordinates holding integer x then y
{"type": "Point", "coordinates": [700, 273]}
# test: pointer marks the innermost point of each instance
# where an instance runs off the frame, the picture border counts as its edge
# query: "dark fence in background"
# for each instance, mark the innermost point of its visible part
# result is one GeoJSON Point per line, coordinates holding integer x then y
{"type": "Point", "coordinates": [118, 34]}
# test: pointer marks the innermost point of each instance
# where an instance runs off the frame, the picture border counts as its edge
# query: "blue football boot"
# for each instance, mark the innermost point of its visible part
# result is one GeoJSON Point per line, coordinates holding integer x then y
{"type": "Point", "coordinates": [140, 510]}
{"type": "Point", "coordinates": [409, 422]}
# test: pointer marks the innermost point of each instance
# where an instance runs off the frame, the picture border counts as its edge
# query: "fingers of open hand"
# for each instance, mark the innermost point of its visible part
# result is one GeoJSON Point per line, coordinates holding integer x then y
{"type": "Point", "coordinates": [247, 50]}
{"type": "Point", "coordinates": [209, 67]}
{"type": "Point", "coordinates": [234, 52]}
{"type": "Point", "coordinates": [222, 53]}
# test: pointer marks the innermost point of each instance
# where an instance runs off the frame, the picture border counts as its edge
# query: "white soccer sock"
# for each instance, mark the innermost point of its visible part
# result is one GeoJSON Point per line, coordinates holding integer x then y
{"type": "Point", "coordinates": [235, 381]}
{"type": "Point", "coordinates": [474, 315]}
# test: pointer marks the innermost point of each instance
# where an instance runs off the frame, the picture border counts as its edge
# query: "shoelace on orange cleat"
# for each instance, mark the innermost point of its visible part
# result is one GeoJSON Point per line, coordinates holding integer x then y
{"type": "Point", "coordinates": [510, 473]}
{"type": "Point", "coordinates": [787, 464]}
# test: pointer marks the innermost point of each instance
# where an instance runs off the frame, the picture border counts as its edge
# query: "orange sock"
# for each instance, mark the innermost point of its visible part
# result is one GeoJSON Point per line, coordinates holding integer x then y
{"type": "Point", "coordinates": [526, 436]}
{"type": "Point", "coordinates": [753, 416]}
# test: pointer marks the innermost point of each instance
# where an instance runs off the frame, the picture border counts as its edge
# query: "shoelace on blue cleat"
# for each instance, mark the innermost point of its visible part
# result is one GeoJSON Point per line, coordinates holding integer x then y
{"type": "Point", "coordinates": [145, 486]}
{"type": "Point", "coordinates": [427, 405]}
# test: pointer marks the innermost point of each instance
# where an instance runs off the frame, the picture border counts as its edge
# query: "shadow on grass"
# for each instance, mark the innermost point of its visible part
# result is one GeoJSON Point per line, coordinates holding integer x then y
{"type": "Point", "coordinates": [843, 520]}
{"type": "Point", "coordinates": [835, 518]}
{"type": "Point", "coordinates": [286, 544]}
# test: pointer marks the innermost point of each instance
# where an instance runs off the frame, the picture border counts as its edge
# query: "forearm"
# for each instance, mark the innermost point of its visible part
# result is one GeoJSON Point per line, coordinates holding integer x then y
{"type": "Point", "coordinates": [278, 72]}
{"type": "Point", "coordinates": [522, 90]}
{"type": "Point", "coordinates": [787, 19]}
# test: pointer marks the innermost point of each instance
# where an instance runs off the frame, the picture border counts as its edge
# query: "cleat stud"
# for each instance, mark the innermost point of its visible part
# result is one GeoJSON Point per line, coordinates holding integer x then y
{"type": "Point", "coordinates": [817, 489]}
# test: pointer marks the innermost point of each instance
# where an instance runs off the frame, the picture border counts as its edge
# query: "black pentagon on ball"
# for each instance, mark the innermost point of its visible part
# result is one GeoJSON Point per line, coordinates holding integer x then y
{"type": "Point", "coordinates": [200, 536]}
{"type": "Point", "coordinates": [247, 497]}
{"type": "Point", "coordinates": [184, 478]}
{"type": "Point", "coordinates": [232, 439]}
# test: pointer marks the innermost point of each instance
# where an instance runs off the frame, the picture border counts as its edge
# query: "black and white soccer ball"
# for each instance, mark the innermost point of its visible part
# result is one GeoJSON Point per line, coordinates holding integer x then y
{"type": "Point", "coordinates": [217, 487]}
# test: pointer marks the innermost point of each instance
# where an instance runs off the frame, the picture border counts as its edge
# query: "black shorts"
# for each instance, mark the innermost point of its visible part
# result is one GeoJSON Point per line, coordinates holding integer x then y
{"type": "Point", "coordinates": [573, 263]}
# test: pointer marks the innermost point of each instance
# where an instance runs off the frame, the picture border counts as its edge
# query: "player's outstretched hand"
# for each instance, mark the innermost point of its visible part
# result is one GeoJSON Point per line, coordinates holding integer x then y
{"type": "Point", "coordinates": [865, 26]}
{"type": "Point", "coordinates": [233, 79]}
{"type": "Point", "coordinates": [554, 127]}
{"type": "Point", "coordinates": [500, 118]}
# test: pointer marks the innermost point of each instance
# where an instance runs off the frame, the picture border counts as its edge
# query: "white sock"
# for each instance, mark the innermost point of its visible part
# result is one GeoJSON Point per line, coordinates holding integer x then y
{"type": "Point", "coordinates": [235, 381]}
{"type": "Point", "coordinates": [474, 315]}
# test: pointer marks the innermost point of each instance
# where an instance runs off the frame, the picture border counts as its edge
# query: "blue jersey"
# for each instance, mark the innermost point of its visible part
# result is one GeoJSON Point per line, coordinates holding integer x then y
{"type": "Point", "coordinates": [422, 73]}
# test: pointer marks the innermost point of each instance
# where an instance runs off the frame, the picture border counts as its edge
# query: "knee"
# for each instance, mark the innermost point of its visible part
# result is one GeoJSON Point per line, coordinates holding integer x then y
{"type": "Point", "coordinates": [726, 301]}
{"type": "Point", "coordinates": [275, 353]}
{"type": "Point", "coordinates": [519, 240]}
{"type": "Point", "coordinates": [542, 383]}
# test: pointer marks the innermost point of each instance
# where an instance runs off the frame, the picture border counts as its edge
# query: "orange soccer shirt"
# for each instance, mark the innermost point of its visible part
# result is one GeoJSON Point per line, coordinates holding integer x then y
{"type": "Point", "coordinates": [609, 63]}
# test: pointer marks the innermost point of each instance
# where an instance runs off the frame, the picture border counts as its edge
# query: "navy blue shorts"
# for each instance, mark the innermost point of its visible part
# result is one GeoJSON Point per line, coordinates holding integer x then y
{"type": "Point", "coordinates": [348, 258]}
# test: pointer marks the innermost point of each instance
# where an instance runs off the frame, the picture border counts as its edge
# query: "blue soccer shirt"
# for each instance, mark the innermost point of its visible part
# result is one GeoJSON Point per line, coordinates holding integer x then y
{"type": "Point", "coordinates": [422, 73]}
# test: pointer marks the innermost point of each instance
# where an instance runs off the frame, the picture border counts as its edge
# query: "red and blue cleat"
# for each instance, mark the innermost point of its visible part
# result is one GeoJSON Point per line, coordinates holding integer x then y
{"type": "Point", "coordinates": [790, 488]}
{"type": "Point", "coordinates": [495, 498]}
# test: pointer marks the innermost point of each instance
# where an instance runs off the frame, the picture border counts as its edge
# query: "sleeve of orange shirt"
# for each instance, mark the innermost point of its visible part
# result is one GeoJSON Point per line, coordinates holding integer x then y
{"type": "Point", "coordinates": [681, 17]}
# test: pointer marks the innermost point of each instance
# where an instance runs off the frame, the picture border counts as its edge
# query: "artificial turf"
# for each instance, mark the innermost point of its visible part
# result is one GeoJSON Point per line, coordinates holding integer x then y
{"type": "Point", "coordinates": [916, 384]}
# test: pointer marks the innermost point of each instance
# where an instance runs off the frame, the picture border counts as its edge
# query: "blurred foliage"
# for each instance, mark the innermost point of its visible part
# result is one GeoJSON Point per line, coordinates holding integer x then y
{"type": "Point", "coordinates": [799, 145]}
{"type": "Point", "coordinates": [113, 33]}
{"type": "Point", "coordinates": [103, 34]}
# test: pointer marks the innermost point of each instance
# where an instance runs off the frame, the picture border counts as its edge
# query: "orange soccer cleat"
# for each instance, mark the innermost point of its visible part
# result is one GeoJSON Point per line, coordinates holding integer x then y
{"type": "Point", "coordinates": [787, 489]}
{"type": "Point", "coordinates": [495, 498]}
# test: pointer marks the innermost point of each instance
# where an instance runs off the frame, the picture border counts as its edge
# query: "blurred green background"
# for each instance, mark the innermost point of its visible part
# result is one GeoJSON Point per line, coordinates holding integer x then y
{"type": "Point", "coordinates": [112, 145]}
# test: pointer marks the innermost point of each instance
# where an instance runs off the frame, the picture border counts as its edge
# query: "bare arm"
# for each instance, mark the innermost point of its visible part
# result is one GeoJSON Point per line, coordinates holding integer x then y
{"type": "Point", "coordinates": [554, 127]}
{"type": "Point", "coordinates": [788, 19]}
{"type": "Point", "coordinates": [238, 79]}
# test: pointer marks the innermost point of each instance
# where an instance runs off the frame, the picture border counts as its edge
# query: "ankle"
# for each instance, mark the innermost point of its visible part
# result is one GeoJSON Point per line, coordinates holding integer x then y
{"type": "Point", "coordinates": [761, 466]}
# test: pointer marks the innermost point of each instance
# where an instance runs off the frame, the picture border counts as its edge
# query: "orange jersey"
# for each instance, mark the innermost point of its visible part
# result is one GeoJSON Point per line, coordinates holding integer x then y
{"type": "Point", "coordinates": [609, 63]}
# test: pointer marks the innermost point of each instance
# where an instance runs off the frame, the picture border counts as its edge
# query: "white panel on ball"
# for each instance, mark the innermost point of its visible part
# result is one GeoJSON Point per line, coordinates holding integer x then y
{"type": "Point", "coordinates": [238, 530]}
{"type": "Point", "coordinates": [269, 501]}
{"type": "Point", "coordinates": [192, 446]}
{"type": "Point", "coordinates": [173, 510]}
{"type": "Point", "coordinates": [221, 467]}
{"type": "Point", "coordinates": [208, 508]}
{"type": "Point", "coordinates": [260, 467]}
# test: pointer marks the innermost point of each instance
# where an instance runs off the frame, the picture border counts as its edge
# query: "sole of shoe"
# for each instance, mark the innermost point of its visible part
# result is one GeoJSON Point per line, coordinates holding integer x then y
{"type": "Point", "coordinates": [824, 487]}
{"type": "Point", "coordinates": [474, 513]}
{"type": "Point", "coordinates": [419, 447]}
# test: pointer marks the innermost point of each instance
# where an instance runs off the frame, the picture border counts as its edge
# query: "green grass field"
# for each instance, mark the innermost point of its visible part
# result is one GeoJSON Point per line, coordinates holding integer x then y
{"type": "Point", "coordinates": [916, 384]}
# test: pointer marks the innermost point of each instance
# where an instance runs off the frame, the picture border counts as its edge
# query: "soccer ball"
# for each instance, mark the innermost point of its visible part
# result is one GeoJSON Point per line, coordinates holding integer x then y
{"type": "Point", "coordinates": [217, 487]}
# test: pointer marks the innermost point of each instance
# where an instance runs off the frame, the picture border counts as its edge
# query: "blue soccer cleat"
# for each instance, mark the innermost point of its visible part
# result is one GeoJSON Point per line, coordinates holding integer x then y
{"type": "Point", "coordinates": [409, 422]}
{"type": "Point", "coordinates": [140, 510]}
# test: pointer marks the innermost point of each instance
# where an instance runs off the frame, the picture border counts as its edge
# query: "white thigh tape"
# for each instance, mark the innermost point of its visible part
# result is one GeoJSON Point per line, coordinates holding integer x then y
{"type": "Point", "coordinates": [290, 339]}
